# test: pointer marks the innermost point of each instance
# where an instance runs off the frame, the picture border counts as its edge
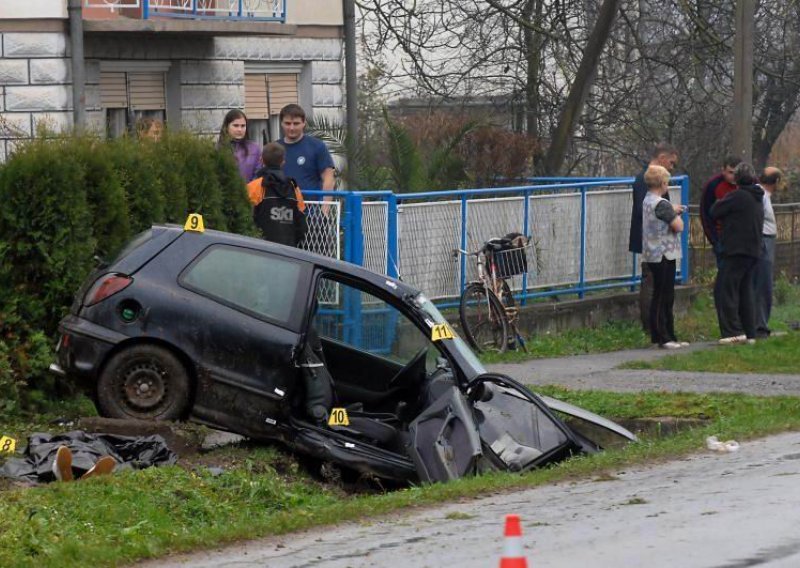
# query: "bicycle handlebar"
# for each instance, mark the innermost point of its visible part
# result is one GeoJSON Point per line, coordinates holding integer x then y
{"type": "Point", "coordinates": [456, 252]}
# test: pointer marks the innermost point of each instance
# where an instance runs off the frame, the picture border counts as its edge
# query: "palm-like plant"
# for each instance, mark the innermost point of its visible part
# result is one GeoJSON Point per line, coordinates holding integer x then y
{"type": "Point", "coordinates": [410, 167]}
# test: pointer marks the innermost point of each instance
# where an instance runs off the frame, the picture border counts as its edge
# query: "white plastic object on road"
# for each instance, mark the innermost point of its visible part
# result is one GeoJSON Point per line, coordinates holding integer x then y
{"type": "Point", "coordinates": [713, 444]}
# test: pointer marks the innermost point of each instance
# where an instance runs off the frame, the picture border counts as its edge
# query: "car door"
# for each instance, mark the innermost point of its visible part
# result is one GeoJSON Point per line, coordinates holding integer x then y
{"type": "Point", "coordinates": [444, 439]}
{"type": "Point", "coordinates": [518, 430]}
{"type": "Point", "coordinates": [380, 355]}
{"type": "Point", "coordinates": [246, 331]}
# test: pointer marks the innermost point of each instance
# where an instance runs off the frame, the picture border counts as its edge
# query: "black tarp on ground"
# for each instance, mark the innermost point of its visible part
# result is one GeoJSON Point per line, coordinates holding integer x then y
{"type": "Point", "coordinates": [129, 452]}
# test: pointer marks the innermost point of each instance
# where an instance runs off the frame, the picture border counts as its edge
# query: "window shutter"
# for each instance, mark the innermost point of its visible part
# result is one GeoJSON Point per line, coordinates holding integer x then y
{"type": "Point", "coordinates": [113, 90]}
{"type": "Point", "coordinates": [256, 102]}
{"type": "Point", "coordinates": [147, 90]}
{"type": "Point", "coordinates": [282, 91]}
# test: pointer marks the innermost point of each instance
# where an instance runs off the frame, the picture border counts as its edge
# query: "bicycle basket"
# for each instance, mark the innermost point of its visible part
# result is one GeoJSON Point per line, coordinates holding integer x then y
{"type": "Point", "coordinates": [509, 255]}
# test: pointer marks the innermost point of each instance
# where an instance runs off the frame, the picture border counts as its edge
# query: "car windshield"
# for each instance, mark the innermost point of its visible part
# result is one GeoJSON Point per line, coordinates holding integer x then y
{"type": "Point", "coordinates": [433, 314]}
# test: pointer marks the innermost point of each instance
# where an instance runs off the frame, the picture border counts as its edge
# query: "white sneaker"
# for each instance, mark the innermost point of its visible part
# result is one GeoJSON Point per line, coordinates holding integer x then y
{"type": "Point", "coordinates": [751, 341]}
{"type": "Point", "coordinates": [670, 345]}
{"type": "Point", "coordinates": [733, 339]}
{"type": "Point", "coordinates": [684, 343]}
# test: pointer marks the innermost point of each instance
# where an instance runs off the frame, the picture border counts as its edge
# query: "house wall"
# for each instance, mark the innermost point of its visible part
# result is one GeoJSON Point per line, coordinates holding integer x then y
{"type": "Point", "coordinates": [35, 9]}
{"type": "Point", "coordinates": [314, 12]}
{"type": "Point", "coordinates": [205, 78]}
{"type": "Point", "coordinates": [35, 86]}
{"type": "Point", "coordinates": [207, 73]}
{"type": "Point", "coordinates": [298, 12]}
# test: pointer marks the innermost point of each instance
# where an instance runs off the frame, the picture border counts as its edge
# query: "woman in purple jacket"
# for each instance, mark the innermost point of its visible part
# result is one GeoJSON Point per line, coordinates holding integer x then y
{"type": "Point", "coordinates": [246, 152]}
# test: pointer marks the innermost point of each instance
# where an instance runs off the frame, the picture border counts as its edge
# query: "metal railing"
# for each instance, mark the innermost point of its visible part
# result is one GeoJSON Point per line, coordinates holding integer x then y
{"type": "Point", "coordinates": [579, 234]}
{"type": "Point", "coordinates": [787, 245]}
{"type": "Point", "coordinates": [261, 10]}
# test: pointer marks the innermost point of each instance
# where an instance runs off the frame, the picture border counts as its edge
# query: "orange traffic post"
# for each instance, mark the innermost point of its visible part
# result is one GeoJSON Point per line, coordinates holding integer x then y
{"type": "Point", "coordinates": [512, 545]}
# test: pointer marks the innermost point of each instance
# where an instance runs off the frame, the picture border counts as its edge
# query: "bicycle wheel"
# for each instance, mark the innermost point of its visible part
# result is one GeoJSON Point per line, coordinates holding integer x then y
{"type": "Point", "coordinates": [483, 319]}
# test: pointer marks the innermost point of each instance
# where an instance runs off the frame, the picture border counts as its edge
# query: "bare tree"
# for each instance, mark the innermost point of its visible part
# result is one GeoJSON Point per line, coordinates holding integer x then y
{"type": "Point", "coordinates": [599, 81]}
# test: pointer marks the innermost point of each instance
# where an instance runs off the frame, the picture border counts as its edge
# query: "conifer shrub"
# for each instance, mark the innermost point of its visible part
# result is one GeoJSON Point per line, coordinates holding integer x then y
{"type": "Point", "coordinates": [68, 200]}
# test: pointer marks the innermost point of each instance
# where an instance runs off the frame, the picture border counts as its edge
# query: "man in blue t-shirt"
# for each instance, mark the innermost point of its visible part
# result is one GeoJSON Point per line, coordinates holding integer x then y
{"type": "Point", "coordinates": [307, 158]}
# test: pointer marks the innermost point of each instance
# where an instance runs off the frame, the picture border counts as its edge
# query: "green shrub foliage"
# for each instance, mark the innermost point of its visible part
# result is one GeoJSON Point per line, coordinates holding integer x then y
{"type": "Point", "coordinates": [70, 199]}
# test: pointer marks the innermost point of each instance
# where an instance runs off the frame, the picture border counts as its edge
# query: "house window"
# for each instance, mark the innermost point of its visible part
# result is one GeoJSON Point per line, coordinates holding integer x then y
{"type": "Point", "coordinates": [265, 95]}
{"type": "Point", "coordinates": [130, 96]}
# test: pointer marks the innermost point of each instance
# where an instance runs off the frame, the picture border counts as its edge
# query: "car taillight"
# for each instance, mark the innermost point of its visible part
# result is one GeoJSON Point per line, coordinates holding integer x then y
{"type": "Point", "coordinates": [105, 287]}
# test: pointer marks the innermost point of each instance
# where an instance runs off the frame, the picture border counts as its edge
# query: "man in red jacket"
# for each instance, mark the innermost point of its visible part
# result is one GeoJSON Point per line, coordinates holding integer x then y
{"type": "Point", "coordinates": [715, 189]}
{"type": "Point", "coordinates": [741, 213]}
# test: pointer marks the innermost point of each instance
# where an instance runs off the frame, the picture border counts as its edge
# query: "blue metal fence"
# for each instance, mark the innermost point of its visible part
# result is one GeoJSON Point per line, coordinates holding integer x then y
{"type": "Point", "coordinates": [601, 232]}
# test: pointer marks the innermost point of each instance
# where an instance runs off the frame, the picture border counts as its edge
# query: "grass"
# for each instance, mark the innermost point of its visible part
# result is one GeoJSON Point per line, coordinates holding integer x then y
{"type": "Point", "coordinates": [777, 355]}
{"type": "Point", "coordinates": [134, 515]}
{"type": "Point", "coordinates": [697, 325]}
{"type": "Point", "coordinates": [611, 336]}
{"type": "Point", "coordinates": [144, 514]}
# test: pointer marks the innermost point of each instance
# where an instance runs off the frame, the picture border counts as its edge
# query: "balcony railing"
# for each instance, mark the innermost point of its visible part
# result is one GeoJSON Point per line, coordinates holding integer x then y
{"type": "Point", "coordinates": [261, 10]}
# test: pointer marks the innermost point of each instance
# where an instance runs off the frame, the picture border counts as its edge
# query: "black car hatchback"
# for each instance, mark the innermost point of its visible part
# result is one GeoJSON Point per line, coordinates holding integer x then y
{"type": "Point", "coordinates": [335, 361]}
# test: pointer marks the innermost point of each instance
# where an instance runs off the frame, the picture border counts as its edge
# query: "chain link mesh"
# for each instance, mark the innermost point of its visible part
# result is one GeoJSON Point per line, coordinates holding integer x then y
{"type": "Point", "coordinates": [374, 215]}
{"type": "Point", "coordinates": [428, 233]}
{"type": "Point", "coordinates": [608, 221]}
{"type": "Point", "coordinates": [490, 218]}
{"type": "Point", "coordinates": [323, 238]}
{"type": "Point", "coordinates": [555, 225]}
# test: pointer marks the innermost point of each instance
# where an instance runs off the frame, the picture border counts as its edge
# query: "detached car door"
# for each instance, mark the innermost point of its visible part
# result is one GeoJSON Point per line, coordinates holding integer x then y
{"type": "Point", "coordinates": [517, 429]}
{"type": "Point", "coordinates": [248, 327]}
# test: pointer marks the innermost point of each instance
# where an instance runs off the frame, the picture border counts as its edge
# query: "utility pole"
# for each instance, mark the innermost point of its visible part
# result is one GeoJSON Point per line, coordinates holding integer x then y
{"type": "Point", "coordinates": [743, 81]}
{"type": "Point", "coordinates": [351, 87]}
{"type": "Point", "coordinates": [78, 65]}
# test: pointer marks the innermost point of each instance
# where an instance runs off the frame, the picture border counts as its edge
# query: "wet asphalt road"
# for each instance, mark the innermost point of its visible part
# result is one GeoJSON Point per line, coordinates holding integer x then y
{"type": "Point", "coordinates": [708, 511]}
{"type": "Point", "coordinates": [711, 510]}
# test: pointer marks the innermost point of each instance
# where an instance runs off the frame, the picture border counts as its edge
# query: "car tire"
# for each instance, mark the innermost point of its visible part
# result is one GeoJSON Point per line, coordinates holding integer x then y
{"type": "Point", "coordinates": [144, 382]}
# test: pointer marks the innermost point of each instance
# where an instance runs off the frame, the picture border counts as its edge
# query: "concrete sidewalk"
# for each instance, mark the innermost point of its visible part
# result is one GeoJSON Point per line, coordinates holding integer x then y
{"type": "Point", "coordinates": [599, 372]}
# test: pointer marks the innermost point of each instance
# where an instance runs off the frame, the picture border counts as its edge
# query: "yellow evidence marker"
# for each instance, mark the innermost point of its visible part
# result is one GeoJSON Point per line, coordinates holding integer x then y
{"type": "Point", "coordinates": [194, 222]}
{"type": "Point", "coordinates": [441, 331]}
{"type": "Point", "coordinates": [7, 445]}
{"type": "Point", "coordinates": [338, 417]}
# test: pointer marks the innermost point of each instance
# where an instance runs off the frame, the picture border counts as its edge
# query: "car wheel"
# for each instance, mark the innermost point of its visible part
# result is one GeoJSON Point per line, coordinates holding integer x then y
{"type": "Point", "coordinates": [144, 382]}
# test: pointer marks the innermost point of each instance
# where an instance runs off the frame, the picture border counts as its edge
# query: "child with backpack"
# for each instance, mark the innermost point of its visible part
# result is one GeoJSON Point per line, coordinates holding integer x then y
{"type": "Point", "coordinates": [278, 206]}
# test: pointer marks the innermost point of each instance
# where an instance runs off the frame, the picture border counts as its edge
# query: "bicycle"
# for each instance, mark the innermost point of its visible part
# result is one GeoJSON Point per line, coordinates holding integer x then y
{"type": "Point", "coordinates": [487, 309]}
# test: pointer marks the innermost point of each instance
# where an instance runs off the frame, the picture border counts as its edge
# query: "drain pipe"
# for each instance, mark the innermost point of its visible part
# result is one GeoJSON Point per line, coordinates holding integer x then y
{"type": "Point", "coordinates": [78, 64]}
{"type": "Point", "coordinates": [351, 89]}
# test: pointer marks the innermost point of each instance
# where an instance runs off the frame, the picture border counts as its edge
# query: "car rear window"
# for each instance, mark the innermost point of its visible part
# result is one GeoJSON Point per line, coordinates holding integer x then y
{"type": "Point", "coordinates": [257, 282]}
{"type": "Point", "coordinates": [132, 245]}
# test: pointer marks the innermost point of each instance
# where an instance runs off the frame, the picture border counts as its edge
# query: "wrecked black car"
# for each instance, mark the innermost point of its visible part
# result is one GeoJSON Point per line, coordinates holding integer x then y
{"type": "Point", "coordinates": [333, 360]}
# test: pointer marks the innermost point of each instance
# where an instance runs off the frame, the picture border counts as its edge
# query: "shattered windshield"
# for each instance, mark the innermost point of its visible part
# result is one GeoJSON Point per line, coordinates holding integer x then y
{"type": "Point", "coordinates": [435, 316]}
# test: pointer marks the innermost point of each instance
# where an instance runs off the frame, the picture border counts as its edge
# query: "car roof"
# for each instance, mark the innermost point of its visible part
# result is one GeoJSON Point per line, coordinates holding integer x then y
{"type": "Point", "coordinates": [391, 285]}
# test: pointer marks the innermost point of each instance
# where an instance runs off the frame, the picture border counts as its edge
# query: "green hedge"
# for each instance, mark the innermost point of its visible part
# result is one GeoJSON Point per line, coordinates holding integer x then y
{"type": "Point", "coordinates": [66, 200]}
